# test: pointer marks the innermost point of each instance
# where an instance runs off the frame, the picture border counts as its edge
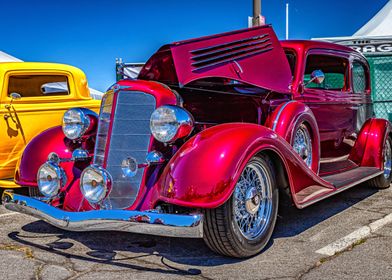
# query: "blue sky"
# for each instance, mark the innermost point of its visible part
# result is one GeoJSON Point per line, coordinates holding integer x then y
{"type": "Point", "coordinates": [91, 34]}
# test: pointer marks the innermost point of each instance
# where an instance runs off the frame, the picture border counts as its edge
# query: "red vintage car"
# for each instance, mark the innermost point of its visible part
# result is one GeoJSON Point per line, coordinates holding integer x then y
{"type": "Point", "coordinates": [203, 143]}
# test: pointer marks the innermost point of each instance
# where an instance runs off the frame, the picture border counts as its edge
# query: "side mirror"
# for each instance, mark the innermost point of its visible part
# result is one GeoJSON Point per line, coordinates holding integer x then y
{"type": "Point", "coordinates": [317, 77]}
{"type": "Point", "coordinates": [15, 96]}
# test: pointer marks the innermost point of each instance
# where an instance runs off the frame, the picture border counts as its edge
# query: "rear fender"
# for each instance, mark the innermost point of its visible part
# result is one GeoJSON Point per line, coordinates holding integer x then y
{"type": "Point", "coordinates": [369, 146]}
{"type": "Point", "coordinates": [204, 171]}
{"type": "Point", "coordinates": [285, 119]}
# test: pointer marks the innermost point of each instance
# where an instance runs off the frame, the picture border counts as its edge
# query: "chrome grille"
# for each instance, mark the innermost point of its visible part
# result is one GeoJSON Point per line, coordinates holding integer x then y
{"type": "Point", "coordinates": [130, 137]}
{"type": "Point", "coordinates": [103, 128]}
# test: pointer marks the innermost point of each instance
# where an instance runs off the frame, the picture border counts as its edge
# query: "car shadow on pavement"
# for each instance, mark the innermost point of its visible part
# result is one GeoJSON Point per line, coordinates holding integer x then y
{"type": "Point", "coordinates": [292, 221]}
{"type": "Point", "coordinates": [119, 249]}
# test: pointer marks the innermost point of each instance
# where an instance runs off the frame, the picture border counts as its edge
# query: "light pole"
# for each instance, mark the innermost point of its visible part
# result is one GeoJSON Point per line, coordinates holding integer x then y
{"type": "Point", "coordinates": [287, 21]}
{"type": "Point", "coordinates": [257, 19]}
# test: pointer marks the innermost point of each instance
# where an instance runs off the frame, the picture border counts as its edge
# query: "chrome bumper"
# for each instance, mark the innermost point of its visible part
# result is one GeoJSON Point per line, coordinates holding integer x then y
{"type": "Point", "coordinates": [143, 222]}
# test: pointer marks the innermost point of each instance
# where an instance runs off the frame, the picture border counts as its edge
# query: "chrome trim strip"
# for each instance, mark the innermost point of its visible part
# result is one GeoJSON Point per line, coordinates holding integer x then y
{"type": "Point", "coordinates": [105, 115]}
{"type": "Point", "coordinates": [339, 190]}
{"type": "Point", "coordinates": [278, 116]}
{"type": "Point", "coordinates": [143, 222]}
{"type": "Point", "coordinates": [329, 160]}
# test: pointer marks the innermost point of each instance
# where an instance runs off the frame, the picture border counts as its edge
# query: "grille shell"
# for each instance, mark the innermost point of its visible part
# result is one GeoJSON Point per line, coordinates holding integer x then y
{"type": "Point", "coordinates": [123, 131]}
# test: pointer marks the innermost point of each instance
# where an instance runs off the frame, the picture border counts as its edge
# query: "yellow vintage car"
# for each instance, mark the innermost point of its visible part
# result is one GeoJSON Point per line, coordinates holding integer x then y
{"type": "Point", "coordinates": [34, 97]}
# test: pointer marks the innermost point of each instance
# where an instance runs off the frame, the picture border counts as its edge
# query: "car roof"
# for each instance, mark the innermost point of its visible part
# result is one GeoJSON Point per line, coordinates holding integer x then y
{"type": "Point", "coordinates": [304, 45]}
{"type": "Point", "coordinates": [37, 66]}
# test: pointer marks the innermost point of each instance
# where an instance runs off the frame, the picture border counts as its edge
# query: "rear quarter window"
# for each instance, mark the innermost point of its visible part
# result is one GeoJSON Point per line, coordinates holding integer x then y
{"type": "Point", "coordinates": [38, 85]}
{"type": "Point", "coordinates": [359, 77]}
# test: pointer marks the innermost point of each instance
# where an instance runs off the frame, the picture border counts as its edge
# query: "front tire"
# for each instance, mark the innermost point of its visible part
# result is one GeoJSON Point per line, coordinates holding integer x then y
{"type": "Point", "coordinates": [384, 180]}
{"type": "Point", "coordinates": [243, 225]}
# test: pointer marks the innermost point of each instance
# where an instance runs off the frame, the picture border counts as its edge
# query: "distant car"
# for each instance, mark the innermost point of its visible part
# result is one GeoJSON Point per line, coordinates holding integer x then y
{"type": "Point", "coordinates": [207, 138]}
{"type": "Point", "coordinates": [34, 97]}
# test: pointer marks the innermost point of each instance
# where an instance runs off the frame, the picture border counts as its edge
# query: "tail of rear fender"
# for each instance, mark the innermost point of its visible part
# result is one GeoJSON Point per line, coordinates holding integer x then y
{"type": "Point", "coordinates": [287, 117]}
{"type": "Point", "coordinates": [37, 151]}
{"type": "Point", "coordinates": [204, 171]}
{"type": "Point", "coordinates": [368, 148]}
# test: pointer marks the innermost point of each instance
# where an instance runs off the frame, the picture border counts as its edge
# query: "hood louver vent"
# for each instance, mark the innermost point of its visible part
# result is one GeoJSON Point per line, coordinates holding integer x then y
{"type": "Point", "coordinates": [228, 52]}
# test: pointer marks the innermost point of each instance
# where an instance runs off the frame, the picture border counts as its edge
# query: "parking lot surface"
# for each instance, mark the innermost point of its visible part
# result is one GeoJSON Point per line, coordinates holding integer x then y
{"type": "Point", "coordinates": [348, 236]}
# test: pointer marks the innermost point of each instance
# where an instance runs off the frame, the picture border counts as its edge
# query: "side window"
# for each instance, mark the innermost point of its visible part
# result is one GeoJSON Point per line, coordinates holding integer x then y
{"type": "Point", "coordinates": [38, 85]}
{"type": "Point", "coordinates": [292, 59]}
{"type": "Point", "coordinates": [359, 77]}
{"type": "Point", "coordinates": [335, 69]}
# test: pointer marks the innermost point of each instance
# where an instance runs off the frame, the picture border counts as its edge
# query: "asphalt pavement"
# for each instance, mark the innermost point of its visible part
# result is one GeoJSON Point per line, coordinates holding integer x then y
{"type": "Point", "coordinates": [300, 247]}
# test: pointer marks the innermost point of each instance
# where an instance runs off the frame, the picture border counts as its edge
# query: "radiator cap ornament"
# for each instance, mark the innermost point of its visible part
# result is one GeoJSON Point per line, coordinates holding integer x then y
{"type": "Point", "coordinates": [129, 167]}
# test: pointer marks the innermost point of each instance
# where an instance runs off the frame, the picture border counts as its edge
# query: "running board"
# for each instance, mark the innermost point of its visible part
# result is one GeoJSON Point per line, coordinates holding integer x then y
{"type": "Point", "coordinates": [341, 181]}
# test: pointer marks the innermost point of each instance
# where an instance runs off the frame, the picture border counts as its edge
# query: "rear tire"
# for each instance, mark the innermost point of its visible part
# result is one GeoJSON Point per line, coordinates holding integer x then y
{"type": "Point", "coordinates": [302, 143]}
{"type": "Point", "coordinates": [384, 180]}
{"type": "Point", "coordinates": [243, 225]}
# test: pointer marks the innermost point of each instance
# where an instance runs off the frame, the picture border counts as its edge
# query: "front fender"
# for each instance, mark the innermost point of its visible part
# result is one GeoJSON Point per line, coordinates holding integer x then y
{"type": "Point", "coordinates": [53, 140]}
{"type": "Point", "coordinates": [37, 151]}
{"type": "Point", "coordinates": [204, 171]}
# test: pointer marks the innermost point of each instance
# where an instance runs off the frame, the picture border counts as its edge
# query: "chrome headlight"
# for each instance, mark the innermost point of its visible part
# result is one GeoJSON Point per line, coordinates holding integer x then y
{"type": "Point", "coordinates": [95, 183]}
{"type": "Point", "coordinates": [169, 123]}
{"type": "Point", "coordinates": [50, 179]}
{"type": "Point", "coordinates": [75, 123]}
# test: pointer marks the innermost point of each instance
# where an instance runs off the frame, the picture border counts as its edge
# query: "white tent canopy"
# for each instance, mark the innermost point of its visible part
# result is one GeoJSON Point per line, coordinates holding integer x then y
{"type": "Point", "coordinates": [379, 25]}
{"type": "Point", "coordinates": [132, 70]}
{"type": "Point", "coordinates": [4, 57]}
{"type": "Point", "coordinates": [375, 37]}
{"type": "Point", "coordinates": [378, 28]}
{"type": "Point", "coordinates": [96, 94]}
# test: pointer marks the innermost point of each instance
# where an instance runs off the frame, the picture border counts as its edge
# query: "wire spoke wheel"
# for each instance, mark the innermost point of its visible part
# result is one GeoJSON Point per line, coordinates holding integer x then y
{"type": "Point", "coordinates": [384, 180]}
{"type": "Point", "coordinates": [302, 144]}
{"type": "Point", "coordinates": [243, 225]}
{"type": "Point", "coordinates": [253, 201]}
{"type": "Point", "coordinates": [387, 159]}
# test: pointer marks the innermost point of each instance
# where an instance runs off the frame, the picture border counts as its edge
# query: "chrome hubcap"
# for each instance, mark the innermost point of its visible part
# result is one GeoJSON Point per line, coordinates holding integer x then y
{"type": "Point", "coordinates": [302, 144]}
{"type": "Point", "coordinates": [387, 159]}
{"type": "Point", "coordinates": [253, 201]}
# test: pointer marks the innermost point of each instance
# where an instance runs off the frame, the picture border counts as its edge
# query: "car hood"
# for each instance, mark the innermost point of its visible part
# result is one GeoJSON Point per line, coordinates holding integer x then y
{"type": "Point", "coordinates": [252, 56]}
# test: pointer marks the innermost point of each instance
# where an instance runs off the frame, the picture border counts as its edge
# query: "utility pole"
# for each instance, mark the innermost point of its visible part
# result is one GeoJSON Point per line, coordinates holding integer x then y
{"type": "Point", "coordinates": [257, 19]}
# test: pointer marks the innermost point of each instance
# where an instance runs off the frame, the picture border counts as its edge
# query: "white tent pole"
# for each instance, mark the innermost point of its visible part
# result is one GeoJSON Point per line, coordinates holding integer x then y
{"type": "Point", "coordinates": [287, 21]}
